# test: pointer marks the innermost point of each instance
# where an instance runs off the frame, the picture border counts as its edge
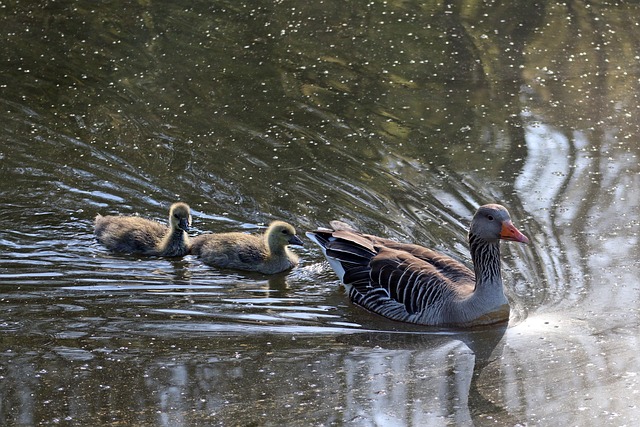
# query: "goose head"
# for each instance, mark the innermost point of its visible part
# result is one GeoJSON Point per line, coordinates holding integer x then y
{"type": "Point", "coordinates": [180, 216]}
{"type": "Point", "coordinates": [280, 234]}
{"type": "Point", "coordinates": [492, 223]}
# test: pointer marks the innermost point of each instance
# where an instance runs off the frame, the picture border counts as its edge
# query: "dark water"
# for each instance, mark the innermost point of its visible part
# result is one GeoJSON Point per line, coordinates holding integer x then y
{"type": "Point", "coordinates": [400, 117]}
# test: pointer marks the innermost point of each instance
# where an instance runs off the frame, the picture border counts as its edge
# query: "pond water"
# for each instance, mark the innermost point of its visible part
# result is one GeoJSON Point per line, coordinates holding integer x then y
{"type": "Point", "coordinates": [400, 117]}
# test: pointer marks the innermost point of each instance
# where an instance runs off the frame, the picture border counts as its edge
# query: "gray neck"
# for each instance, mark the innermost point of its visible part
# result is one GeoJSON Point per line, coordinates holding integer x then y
{"type": "Point", "coordinates": [486, 262]}
{"type": "Point", "coordinates": [174, 242]}
{"type": "Point", "coordinates": [275, 249]}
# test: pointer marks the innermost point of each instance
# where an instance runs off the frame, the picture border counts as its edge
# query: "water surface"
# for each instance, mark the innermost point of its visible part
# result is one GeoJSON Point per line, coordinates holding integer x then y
{"type": "Point", "coordinates": [399, 117]}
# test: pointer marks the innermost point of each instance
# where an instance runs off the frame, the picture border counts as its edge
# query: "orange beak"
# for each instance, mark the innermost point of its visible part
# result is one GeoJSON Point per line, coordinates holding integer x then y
{"type": "Point", "coordinates": [510, 232]}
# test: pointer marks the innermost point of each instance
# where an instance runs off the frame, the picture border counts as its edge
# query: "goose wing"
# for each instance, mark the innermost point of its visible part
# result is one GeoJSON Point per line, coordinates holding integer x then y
{"type": "Point", "coordinates": [451, 269]}
{"type": "Point", "coordinates": [400, 281]}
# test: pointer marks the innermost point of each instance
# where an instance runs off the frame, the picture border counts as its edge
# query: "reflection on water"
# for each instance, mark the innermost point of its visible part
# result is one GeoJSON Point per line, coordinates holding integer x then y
{"type": "Point", "coordinates": [401, 119]}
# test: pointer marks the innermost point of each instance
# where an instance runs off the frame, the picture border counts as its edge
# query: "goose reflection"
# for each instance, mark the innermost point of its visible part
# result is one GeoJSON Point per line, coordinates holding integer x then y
{"type": "Point", "coordinates": [443, 379]}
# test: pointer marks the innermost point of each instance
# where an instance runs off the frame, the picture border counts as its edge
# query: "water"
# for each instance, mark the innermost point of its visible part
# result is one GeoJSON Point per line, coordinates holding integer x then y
{"type": "Point", "coordinates": [400, 117]}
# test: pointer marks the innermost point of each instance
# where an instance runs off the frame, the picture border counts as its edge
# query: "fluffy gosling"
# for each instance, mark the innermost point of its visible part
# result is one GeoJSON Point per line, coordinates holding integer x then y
{"type": "Point", "coordinates": [134, 235]}
{"type": "Point", "coordinates": [267, 254]}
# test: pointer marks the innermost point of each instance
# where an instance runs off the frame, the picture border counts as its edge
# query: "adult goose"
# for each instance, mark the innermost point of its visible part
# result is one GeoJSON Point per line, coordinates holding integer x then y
{"type": "Point", "coordinates": [413, 284]}
{"type": "Point", "coordinates": [134, 235]}
{"type": "Point", "coordinates": [266, 254]}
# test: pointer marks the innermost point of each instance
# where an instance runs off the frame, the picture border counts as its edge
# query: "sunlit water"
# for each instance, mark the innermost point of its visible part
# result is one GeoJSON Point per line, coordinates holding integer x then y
{"type": "Point", "coordinates": [400, 118]}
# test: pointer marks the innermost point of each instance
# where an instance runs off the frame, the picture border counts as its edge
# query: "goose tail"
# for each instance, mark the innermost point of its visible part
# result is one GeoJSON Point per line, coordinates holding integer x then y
{"type": "Point", "coordinates": [345, 250]}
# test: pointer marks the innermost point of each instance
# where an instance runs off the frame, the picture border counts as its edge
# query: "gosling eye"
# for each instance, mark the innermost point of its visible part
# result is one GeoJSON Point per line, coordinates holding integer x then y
{"type": "Point", "coordinates": [490, 217]}
{"type": "Point", "coordinates": [285, 231]}
{"type": "Point", "coordinates": [176, 216]}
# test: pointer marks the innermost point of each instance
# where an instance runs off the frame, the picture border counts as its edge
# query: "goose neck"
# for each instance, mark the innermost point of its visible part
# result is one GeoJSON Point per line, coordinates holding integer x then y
{"type": "Point", "coordinates": [486, 261]}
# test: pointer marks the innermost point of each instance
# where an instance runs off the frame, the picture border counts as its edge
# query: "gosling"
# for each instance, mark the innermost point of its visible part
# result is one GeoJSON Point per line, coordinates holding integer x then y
{"type": "Point", "coordinates": [133, 235]}
{"type": "Point", "coordinates": [267, 254]}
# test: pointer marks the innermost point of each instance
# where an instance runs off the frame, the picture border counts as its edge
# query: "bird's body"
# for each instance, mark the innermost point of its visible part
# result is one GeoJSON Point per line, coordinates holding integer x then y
{"type": "Point", "coordinates": [134, 235]}
{"type": "Point", "coordinates": [413, 284]}
{"type": "Point", "coordinates": [266, 254]}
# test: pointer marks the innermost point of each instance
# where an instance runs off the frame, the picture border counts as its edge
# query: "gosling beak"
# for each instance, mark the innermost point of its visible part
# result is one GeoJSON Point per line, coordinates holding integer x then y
{"type": "Point", "coordinates": [183, 224]}
{"type": "Point", "coordinates": [295, 240]}
{"type": "Point", "coordinates": [510, 232]}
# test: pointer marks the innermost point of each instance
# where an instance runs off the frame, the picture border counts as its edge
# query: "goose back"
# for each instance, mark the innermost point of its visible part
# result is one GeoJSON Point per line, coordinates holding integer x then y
{"type": "Point", "coordinates": [400, 281]}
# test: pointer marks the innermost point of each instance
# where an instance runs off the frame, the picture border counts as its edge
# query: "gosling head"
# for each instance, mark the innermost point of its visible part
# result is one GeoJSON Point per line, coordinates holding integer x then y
{"type": "Point", "coordinates": [180, 216]}
{"type": "Point", "coordinates": [281, 234]}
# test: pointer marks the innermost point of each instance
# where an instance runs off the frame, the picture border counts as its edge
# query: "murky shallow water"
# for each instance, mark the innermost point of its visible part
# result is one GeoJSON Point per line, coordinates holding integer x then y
{"type": "Point", "coordinates": [401, 118]}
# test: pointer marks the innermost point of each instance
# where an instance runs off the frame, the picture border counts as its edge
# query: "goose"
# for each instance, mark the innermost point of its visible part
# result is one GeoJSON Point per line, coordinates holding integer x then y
{"type": "Point", "coordinates": [266, 254]}
{"type": "Point", "coordinates": [413, 284]}
{"type": "Point", "coordinates": [134, 235]}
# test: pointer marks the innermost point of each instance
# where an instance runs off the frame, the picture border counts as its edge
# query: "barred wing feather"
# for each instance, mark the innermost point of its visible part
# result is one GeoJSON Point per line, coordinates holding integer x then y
{"type": "Point", "coordinates": [400, 281]}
